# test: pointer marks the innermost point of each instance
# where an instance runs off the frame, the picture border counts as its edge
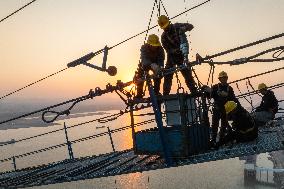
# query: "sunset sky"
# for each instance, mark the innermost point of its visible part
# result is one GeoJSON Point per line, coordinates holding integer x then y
{"type": "Point", "coordinates": [45, 36]}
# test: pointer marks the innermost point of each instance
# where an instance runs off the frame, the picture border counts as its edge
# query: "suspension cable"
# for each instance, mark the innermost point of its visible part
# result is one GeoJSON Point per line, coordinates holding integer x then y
{"type": "Point", "coordinates": [192, 8]}
{"type": "Point", "coordinates": [263, 73]}
{"type": "Point", "coordinates": [279, 85]}
{"type": "Point", "coordinates": [17, 10]}
{"type": "Point", "coordinates": [29, 85]}
{"type": "Point", "coordinates": [245, 46]}
{"type": "Point", "coordinates": [102, 50]}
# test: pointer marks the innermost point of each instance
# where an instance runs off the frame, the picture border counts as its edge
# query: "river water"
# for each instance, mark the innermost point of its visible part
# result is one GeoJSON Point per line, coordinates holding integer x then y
{"type": "Point", "coordinates": [217, 174]}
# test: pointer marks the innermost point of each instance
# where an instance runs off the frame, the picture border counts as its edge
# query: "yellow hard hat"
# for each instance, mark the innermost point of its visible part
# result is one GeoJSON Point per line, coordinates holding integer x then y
{"type": "Point", "coordinates": [262, 86]}
{"type": "Point", "coordinates": [153, 40]}
{"type": "Point", "coordinates": [230, 106]}
{"type": "Point", "coordinates": [163, 21]}
{"type": "Point", "coordinates": [222, 74]}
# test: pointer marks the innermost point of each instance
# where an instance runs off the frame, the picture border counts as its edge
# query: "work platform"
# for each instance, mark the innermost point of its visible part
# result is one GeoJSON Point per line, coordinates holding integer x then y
{"type": "Point", "coordinates": [270, 139]}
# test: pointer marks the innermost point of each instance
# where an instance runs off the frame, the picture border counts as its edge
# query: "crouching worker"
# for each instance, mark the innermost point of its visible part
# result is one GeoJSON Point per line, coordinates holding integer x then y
{"type": "Point", "coordinates": [244, 128]}
{"type": "Point", "coordinates": [268, 107]}
{"type": "Point", "coordinates": [152, 58]}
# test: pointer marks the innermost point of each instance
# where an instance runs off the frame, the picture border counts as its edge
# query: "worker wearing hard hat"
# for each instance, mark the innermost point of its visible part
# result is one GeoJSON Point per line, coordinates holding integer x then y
{"type": "Point", "coordinates": [268, 106]}
{"type": "Point", "coordinates": [152, 58]}
{"type": "Point", "coordinates": [244, 128]}
{"type": "Point", "coordinates": [176, 45]}
{"type": "Point", "coordinates": [221, 93]}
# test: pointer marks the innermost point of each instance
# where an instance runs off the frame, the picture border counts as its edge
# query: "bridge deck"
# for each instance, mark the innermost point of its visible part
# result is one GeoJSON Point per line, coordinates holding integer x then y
{"type": "Point", "coordinates": [123, 162]}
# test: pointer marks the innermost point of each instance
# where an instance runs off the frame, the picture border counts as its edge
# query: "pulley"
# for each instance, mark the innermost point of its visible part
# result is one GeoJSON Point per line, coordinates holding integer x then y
{"type": "Point", "coordinates": [111, 70]}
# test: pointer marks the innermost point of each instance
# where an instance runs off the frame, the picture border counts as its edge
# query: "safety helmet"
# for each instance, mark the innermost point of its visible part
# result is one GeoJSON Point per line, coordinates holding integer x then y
{"type": "Point", "coordinates": [153, 40]}
{"type": "Point", "coordinates": [230, 106]}
{"type": "Point", "coordinates": [262, 86]}
{"type": "Point", "coordinates": [222, 74]}
{"type": "Point", "coordinates": [163, 21]}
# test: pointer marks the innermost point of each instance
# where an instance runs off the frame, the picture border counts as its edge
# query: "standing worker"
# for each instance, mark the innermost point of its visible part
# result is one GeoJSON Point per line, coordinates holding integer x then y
{"type": "Point", "coordinates": [152, 58]}
{"type": "Point", "coordinates": [221, 93]}
{"type": "Point", "coordinates": [268, 107]}
{"type": "Point", "coordinates": [176, 45]}
{"type": "Point", "coordinates": [244, 128]}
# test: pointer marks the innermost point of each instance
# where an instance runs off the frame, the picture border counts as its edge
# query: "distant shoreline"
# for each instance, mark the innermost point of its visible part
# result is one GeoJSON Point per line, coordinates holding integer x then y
{"type": "Point", "coordinates": [37, 122]}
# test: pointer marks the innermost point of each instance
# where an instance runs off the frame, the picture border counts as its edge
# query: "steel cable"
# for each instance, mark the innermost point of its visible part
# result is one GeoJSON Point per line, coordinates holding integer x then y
{"type": "Point", "coordinates": [17, 10]}
{"type": "Point", "coordinates": [32, 83]}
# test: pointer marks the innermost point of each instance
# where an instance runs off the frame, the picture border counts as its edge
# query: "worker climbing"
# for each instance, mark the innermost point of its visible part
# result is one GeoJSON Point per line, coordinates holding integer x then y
{"type": "Point", "coordinates": [244, 128]}
{"type": "Point", "coordinates": [221, 93]}
{"type": "Point", "coordinates": [268, 108]}
{"type": "Point", "coordinates": [152, 58]}
{"type": "Point", "coordinates": [176, 45]}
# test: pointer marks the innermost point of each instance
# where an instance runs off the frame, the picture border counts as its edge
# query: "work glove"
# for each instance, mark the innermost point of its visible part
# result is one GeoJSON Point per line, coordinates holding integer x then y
{"type": "Point", "coordinates": [136, 78]}
{"type": "Point", "coordinates": [222, 93]}
{"type": "Point", "coordinates": [156, 69]}
{"type": "Point", "coordinates": [206, 88]}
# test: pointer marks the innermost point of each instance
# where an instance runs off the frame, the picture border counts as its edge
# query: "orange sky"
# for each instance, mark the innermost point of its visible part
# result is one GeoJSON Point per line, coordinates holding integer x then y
{"type": "Point", "coordinates": [47, 35]}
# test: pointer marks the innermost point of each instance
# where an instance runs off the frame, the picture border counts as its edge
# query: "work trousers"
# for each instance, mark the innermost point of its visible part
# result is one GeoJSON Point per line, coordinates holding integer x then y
{"type": "Point", "coordinates": [239, 137]}
{"type": "Point", "coordinates": [219, 114]}
{"type": "Point", "coordinates": [157, 82]}
{"type": "Point", "coordinates": [262, 117]}
{"type": "Point", "coordinates": [177, 59]}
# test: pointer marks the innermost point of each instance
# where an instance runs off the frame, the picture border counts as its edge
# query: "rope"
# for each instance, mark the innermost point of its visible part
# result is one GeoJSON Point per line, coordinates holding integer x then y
{"type": "Point", "coordinates": [32, 83]}
{"type": "Point", "coordinates": [247, 85]}
{"type": "Point", "coordinates": [242, 93]}
{"type": "Point", "coordinates": [17, 10]}
{"type": "Point", "coordinates": [164, 8]}
{"type": "Point", "coordinates": [248, 81]}
{"type": "Point", "coordinates": [157, 25]}
{"type": "Point", "coordinates": [148, 27]}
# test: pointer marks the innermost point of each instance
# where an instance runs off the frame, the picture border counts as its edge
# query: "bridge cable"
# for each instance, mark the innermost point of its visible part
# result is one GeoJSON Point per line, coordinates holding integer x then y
{"type": "Point", "coordinates": [29, 85]}
{"type": "Point", "coordinates": [102, 50]}
{"type": "Point", "coordinates": [17, 10]}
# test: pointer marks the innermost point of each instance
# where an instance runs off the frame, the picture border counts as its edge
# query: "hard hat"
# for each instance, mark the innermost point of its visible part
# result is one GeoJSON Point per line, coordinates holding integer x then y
{"type": "Point", "coordinates": [163, 21]}
{"type": "Point", "coordinates": [230, 106]}
{"type": "Point", "coordinates": [222, 74]}
{"type": "Point", "coordinates": [262, 86]}
{"type": "Point", "coordinates": [153, 40]}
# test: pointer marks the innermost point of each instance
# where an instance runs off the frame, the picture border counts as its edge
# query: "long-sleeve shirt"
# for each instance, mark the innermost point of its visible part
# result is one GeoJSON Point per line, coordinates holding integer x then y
{"type": "Point", "coordinates": [171, 37]}
{"type": "Point", "coordinates": [242, 121]}
{"type": "Point", "coordinates": [269, 102]}
{"type": "Point", "coordinates": [219, 100]}
{"type": "Point", "coordinates": [152, 54]}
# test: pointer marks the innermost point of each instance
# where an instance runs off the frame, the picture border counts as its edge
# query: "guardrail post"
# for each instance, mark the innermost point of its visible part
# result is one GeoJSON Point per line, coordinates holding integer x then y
{"type": "Point", "coordinates": [14, 163]}
{"type": "Point", "coordinates": [132, 127]}
{"type": "Point", "coordinates": [69, 146]}
{"type": "Point", "coordinates": [158, 117]}
{"type": "Point", "coordinates": [111, 141]}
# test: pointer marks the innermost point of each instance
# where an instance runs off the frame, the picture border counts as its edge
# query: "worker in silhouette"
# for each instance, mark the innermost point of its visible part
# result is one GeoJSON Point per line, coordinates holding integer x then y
{"type": "Point", "coordinates": [221, 93]}
{"type": "Point", "coordinates": [152, 58]}
{"type": "Point", "coordinates": [175, 43]}
{"type": "Point", "coordinates": [268, 107]}
{"type": "Point", "coordinates": [243, 125]}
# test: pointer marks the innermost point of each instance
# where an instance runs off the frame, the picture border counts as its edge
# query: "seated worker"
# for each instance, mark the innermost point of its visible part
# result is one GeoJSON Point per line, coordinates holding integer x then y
{"type": "Point", "coordinates": [244, 128]}
{"type": "Point", "coordinates": [176, 45]}
{"type": "Point", "coordinates": [152, 58]}
{"type": "Point", "coordinates": [268, 107]}
{"type": "Point", "coordinates": [221, 93]}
